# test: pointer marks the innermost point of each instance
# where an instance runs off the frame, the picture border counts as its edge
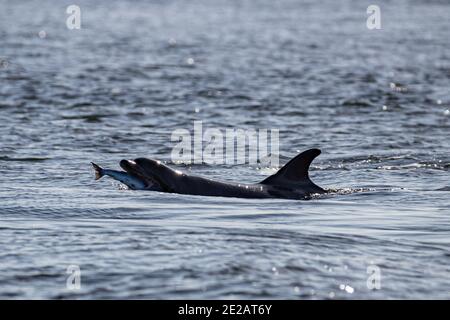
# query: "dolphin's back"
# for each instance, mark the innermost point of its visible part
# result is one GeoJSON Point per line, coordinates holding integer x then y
{"type": "Point", "coordinates": [196, 185]}
{"type": "Point", "coordinates": [291, 181]}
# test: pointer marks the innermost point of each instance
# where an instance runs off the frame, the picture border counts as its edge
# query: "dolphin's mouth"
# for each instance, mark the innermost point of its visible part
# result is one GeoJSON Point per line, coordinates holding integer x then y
{"type": "Point", "coordinates": [136, 171]}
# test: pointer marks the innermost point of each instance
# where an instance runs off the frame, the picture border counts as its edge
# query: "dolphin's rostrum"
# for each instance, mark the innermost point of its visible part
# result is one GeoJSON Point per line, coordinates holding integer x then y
{"type": "Point", "coordinates": [290, 182]}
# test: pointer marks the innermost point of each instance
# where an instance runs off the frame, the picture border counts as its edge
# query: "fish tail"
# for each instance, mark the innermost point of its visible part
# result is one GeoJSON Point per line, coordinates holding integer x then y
{"type": "Point", "coordinates": [98, 171]}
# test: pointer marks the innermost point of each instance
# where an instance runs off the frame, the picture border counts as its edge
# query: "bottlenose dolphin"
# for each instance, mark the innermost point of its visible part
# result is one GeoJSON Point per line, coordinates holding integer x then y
{"type": "Point", "coordinates": [290, 182]}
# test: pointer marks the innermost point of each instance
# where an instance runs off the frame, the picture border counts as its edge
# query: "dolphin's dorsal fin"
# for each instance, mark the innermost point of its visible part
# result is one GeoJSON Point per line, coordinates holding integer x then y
{"type": "Point", "coordinates": [295, 172]}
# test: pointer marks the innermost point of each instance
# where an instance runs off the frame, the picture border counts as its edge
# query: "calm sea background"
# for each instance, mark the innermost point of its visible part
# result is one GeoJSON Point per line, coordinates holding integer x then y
{"type": "Point", "coordinates": [375, 101]}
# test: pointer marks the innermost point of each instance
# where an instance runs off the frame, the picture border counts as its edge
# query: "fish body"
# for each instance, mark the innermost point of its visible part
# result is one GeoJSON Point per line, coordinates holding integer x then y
{"type": "Point", "coordinates": [130, 181]}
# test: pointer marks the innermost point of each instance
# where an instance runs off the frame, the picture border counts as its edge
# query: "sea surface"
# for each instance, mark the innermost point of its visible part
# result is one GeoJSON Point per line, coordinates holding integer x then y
{"type": "Point", "coordinates": [376, 102]}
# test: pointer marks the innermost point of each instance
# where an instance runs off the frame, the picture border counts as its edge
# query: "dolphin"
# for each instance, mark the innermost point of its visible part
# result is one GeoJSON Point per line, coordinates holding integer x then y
{"type": "Point", "coordinates": [290, 182]}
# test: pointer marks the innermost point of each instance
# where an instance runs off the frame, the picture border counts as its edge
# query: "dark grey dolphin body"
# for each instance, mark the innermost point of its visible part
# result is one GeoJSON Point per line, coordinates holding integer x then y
{"type": "Point", "coordinates": [290, 182]}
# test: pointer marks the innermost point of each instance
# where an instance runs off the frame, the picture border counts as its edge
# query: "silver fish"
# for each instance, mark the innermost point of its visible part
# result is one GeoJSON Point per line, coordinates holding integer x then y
{"type": "Point", "coordinates": [130, 181]}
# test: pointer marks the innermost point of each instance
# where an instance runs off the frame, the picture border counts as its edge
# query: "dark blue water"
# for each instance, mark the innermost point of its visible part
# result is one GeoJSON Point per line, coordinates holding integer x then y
{"type": "Point", "coordinates": [375, 101]}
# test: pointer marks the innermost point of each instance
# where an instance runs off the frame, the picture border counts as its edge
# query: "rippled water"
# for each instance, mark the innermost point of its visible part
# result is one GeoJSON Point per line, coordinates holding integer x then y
{"type": "Point", "coordinates": [375, 101]}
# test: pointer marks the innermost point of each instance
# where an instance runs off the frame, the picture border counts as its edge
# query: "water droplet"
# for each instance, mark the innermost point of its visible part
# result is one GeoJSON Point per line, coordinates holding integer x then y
{"type": "Point", "coordinates": [346, 288]}
{"type": "Point", "coordinates": [349, 289]}
{"type": "Point", "coordinates": [384, 108]}
{"type": "Point", "coordinates": [116, 91]}
{"type": "Point", "coordinates": [447, 112]}
{"type": "Point", "coordinates": [296, 289]}
{"type": "Point", "coordinates": [331, 294]}
{"type": "Point", "coordinates": [42, 34]}
{"type": "Point", "coordinates": [197, 110]}
{"type": "Point", "coordinates": [190, 61]}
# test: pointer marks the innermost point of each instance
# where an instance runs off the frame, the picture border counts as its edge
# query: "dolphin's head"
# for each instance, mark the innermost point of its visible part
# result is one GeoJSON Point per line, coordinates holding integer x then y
{"type": "Point", "coordinates": [158, 176]}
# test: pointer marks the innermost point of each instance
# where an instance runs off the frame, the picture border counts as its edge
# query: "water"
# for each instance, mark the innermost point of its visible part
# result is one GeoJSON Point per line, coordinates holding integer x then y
{"type": "Point", "coordinates": [375, 101]}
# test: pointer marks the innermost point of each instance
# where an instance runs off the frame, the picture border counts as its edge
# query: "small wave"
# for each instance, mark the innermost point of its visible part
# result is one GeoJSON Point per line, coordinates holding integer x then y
{"type": "Point", "coordinates": [88, 117]}
{"type": "Point", "coordinates": [356, 103]}
{"type": "Point", "coordinates": [25, 159]}
{"type": "Point", "coordinates": [417, 165]}
{"type": "Point", "coordinates": [343, 191]}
